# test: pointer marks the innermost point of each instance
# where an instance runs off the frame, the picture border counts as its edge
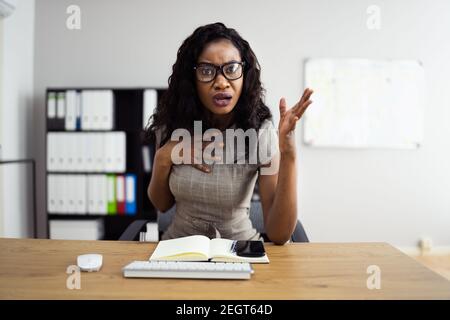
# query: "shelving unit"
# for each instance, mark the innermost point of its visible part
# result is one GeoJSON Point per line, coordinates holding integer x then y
{"type": "Point", "coordinates": [128, 106]}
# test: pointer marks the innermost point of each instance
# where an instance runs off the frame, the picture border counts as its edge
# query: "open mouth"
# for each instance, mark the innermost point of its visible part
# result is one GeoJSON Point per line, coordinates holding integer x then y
{"type": "Point", "coordinates": [222, 99]}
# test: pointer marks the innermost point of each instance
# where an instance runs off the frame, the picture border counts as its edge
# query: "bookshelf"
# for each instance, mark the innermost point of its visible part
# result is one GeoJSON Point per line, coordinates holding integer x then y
{"type": "Point", "coordinates": [127, 108]}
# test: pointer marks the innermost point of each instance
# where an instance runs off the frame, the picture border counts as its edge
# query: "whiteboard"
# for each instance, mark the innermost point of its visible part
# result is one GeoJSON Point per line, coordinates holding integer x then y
{"type": "Point", "coordinates": [362, 103]}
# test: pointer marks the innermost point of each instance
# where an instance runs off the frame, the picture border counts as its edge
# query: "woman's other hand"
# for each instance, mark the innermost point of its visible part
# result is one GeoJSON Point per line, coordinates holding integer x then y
{"type": "Point", "coordinates": [288, 120]}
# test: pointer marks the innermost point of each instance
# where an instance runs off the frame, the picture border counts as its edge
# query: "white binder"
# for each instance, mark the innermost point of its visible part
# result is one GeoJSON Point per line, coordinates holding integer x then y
{"type": "Point", "coordinates": [51, 194]}
{"type": "Point", "coordinates": [91, 193]}
{"type": "Point", "coordinates": [86, 109]}
{"type": "Point", "coordinates": [97, 147]}
{"type": "Point", "coordinates": [80, 194]}
{"type": "Point", "coordinates": [71, 110]}
{"type": "Point", "coordinates": [84, 151]}
{"type": "Point", "coordinates": [97, 110]}
{"type": "Point", "coordinates": [51, 151]}
{"type": "Point", "coordinates": [105, 104]}
{"type": "Point", "coordinates": [109, 151]}
{"type": "Point", "coordinates": [120, 152]}
{"type": "Point", "coordinates": [61, 105]}
{"type": "Point", "coordinates": [63, 151]}
{"type": "Point", "coordinates": [51, 105]}
{"type": "Point", "coordinates": [90, 152]}
{"type": "Point", "coordinates": [70, 193]}
{"type": "Point", "coordinates": [97, 194]}
{"type": "Point", "coordinates": [62, 186]}
{"type": "Point", "coordinates": [54, 188]}
{"type": "Point", "coordinates": [56, 151]}
{"type": "Point", "coordinates": [78, 164]}
{"type": "Point", "coordinates": [70, 151]}
{"type": "Point", "coordinates": [102, 194]}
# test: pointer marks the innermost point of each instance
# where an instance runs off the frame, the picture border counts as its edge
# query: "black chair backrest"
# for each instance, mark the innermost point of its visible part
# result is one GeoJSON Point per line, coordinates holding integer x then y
{"type": "Point", "coordinates": [256, 216]}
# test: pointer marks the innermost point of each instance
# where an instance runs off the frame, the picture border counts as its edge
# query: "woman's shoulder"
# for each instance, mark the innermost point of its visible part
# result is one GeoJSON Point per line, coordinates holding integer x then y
{"type": "Point", "coordinates": [267, 130]}
{"type": "Point", "coordinates": [267, 124]}
{"type": "Point", "coordinates": [267, 142]}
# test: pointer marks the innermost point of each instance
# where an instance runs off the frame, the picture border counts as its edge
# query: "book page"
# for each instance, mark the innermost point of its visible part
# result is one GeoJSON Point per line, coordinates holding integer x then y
{"type": "Point", "coordinates": [220, 247]}
{"type": "Point", "coordinates": [192, 248]}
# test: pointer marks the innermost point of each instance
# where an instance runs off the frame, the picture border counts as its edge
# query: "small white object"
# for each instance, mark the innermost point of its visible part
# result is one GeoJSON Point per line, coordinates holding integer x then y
{"type": "Point", "coordinates": [152, 234]}
{"type": "Point", "coordinates": [90, 262]}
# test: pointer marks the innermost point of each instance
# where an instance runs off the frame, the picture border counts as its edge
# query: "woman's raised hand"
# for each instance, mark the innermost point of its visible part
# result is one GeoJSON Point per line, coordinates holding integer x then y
{"type": "Point", "coordinates": [288, 120]}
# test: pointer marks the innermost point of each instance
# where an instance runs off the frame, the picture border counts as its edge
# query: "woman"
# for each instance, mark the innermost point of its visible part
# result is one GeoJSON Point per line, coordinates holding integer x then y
{"type": "Point", "coordinates": [216, 80]}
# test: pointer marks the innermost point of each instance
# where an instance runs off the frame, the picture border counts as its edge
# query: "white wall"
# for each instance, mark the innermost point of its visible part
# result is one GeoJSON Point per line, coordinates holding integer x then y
{"type": "Point", "coordinates": [16, 123]}
{"type": "Point", "coordinates": [344, 195]}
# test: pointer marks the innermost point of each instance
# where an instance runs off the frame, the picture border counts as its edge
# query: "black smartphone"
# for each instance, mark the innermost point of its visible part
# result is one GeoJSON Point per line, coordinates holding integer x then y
{"type": "Point", "coordinates": [248, 248]}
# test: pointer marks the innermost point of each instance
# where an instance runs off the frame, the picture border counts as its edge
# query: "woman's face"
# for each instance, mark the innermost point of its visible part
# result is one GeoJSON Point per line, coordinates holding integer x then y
{"type": "Point", "coordinates": [211, 93]}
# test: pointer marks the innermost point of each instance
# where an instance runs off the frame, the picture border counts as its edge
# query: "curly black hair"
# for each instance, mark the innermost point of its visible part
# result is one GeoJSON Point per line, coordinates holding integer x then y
{"type": "Point", "coordinates": [180, 105]}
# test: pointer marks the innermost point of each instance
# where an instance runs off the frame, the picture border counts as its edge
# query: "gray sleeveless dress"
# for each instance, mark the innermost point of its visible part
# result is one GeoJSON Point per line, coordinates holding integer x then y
{"type": "Point", "coordinates": [216, 204]}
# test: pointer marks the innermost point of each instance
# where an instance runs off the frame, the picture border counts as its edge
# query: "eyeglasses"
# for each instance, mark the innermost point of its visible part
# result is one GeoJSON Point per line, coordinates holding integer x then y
{"type": "Point", "coordinates": [207, 72]}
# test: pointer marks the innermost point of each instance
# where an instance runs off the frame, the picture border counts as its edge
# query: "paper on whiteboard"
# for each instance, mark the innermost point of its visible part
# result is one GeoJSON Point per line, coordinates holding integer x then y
{"type": "Point", "coordinates": [364, 103]}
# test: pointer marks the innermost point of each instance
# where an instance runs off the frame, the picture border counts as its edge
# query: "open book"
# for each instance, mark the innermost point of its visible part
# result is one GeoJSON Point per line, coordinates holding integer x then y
{"type": "Point", "coordinates": [200, 248]}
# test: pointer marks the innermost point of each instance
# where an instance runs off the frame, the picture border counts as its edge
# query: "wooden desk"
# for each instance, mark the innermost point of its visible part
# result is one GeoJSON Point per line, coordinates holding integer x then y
{"type": "Point", "coordinates": [36, 269]}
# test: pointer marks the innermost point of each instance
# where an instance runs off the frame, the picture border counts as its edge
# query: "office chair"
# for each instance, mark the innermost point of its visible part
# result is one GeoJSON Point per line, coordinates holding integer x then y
{"type": "Point", "coordinates": [164, 220]}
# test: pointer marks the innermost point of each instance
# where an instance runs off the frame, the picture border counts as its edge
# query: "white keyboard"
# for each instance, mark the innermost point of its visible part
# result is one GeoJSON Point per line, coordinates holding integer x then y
{"type": "Point", "coordinates": [193, 270]}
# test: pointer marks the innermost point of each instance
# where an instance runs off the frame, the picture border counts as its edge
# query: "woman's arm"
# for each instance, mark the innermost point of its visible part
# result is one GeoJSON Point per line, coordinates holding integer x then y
{"type": "Point", "coordinates": [158, 190]}
{"type": "Point", "coordinates": [278, 192]}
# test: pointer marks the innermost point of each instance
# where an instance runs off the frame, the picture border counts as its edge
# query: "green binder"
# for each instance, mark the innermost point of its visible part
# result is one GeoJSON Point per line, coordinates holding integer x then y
{"type": "Point", "coordinates": [112, 200]}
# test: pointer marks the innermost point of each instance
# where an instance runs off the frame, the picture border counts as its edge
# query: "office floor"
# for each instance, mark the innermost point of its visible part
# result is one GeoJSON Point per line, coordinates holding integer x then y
{"type": "Point", "coordinates": [438, 263]}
